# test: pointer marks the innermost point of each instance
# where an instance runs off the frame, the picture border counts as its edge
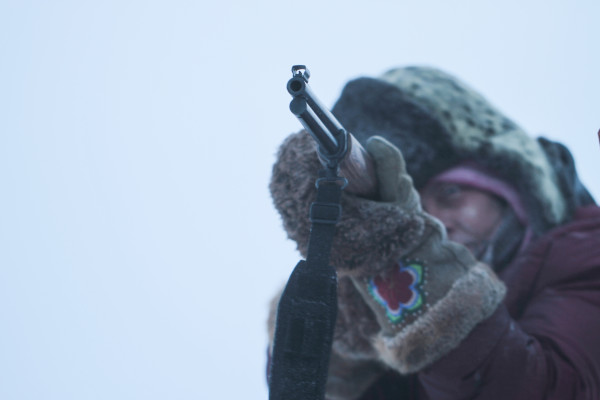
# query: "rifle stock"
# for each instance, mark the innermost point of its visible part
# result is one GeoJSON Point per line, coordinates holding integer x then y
{"type": "Point", "coordinates": [359, 169]}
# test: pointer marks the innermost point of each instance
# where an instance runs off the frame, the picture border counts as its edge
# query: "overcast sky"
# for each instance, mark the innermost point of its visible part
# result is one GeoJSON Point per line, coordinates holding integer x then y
{"type": "Point", "coordinates": [138, 243]}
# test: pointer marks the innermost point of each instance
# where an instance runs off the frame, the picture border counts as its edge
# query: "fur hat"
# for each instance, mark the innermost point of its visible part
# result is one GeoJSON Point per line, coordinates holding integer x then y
{"type": "Point", "coordinates": [438, 122]}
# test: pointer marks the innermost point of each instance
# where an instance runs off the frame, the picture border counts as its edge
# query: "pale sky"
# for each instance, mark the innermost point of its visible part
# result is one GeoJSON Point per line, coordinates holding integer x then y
{"type": "Point", "coordinates": [138, 243]}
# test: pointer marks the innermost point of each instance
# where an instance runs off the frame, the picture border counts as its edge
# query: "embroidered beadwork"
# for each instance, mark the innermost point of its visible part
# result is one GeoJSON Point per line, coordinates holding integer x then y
{"type": "Point", "coordinates": [399, 290]}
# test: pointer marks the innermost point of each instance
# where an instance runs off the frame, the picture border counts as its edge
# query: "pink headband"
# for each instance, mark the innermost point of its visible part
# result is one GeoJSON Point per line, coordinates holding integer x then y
{"type": "Point", "coordinates": [475, 176]}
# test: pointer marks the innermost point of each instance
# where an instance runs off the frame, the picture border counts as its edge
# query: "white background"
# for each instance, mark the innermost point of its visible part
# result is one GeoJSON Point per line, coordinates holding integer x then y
{"type": "Point", "coordinates": [138, 243]}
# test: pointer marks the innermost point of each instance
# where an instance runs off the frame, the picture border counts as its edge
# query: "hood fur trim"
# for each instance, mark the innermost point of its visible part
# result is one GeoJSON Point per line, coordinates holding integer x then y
{"type": "Point", "coordinates": [439, 122]}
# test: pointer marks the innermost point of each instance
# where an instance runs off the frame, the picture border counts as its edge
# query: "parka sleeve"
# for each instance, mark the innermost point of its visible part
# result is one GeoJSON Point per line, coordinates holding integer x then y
{"type": "Point", "coordinates": [547, 346]}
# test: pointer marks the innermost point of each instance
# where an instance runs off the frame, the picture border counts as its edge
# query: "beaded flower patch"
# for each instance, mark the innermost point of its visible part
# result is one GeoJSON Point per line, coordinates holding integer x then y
{"type": "Point", "coordinates": [399, 290]}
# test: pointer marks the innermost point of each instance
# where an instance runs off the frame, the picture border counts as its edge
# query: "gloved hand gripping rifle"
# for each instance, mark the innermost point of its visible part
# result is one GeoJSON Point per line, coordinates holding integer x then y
{"type": "Point", "coordinates": [308, 306]}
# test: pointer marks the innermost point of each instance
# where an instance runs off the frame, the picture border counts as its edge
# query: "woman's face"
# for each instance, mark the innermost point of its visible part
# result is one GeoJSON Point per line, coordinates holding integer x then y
{"type": "Point", "coordinates": [470, 215]}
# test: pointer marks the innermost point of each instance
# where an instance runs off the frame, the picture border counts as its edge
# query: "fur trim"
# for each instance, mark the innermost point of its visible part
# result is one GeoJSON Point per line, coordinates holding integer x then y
{"type": "Point", "coordinates": [355, 327]}
{"type": "Point", "coordinates": [354, 364]}
{"type": "Point", "coordinates": [369, 234]}
{"type": "Point", "coordinates": [349, 379]}
{"type": "Point", "coordinates": [356, 324]}
{"type": "Point", "coordinates": [472, 298]}
{"type": "Point", "coordinates": [272, 318]}
{"type": "Point", "coordinates": [438, 122]}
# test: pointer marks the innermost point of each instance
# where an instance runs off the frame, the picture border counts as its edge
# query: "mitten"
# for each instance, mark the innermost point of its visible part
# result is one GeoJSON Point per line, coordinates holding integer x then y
{"type": "Point", "coordinates": [369, 232]}
{"type": "Point", "coordinates": [354, 362]}
{"type": "Point", "coordinates": [430, 297]}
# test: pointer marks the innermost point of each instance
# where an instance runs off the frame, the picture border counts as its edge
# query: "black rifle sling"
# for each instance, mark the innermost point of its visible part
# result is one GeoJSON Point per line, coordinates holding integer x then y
{"type": "Point", "coordinates": [308, 308]}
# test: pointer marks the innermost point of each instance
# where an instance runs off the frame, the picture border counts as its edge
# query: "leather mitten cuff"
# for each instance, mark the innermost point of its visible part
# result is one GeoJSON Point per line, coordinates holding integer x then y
{"type": "Point", "coordinates": [428, 303]}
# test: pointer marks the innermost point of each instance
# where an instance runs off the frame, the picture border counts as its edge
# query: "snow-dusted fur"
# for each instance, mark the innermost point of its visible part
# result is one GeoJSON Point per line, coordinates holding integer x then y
{"type": "Point", "coordinates": [437, 122]}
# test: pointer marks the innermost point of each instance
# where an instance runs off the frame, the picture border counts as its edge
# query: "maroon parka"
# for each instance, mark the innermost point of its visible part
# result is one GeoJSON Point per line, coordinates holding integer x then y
{"type": "Point", "coordinates": [542, 343]}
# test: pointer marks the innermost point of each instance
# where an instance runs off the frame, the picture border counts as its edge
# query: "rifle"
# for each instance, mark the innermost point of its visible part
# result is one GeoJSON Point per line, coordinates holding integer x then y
{"type": "Point", "coordinates": [335, 144]}
{"type": "Point", "coordinates": [307, 310]}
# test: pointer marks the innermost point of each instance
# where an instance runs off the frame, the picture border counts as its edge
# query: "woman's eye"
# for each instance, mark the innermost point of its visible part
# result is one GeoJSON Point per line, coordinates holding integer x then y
{"type": "Point", "coordinates": [449, 190]}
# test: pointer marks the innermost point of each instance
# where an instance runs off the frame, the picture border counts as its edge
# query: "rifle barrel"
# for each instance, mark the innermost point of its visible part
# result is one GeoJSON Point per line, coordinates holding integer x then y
{"type": "Point", "coordinates": [356, 166]}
